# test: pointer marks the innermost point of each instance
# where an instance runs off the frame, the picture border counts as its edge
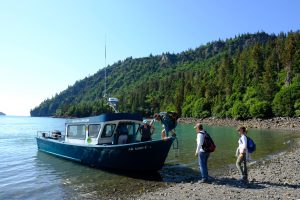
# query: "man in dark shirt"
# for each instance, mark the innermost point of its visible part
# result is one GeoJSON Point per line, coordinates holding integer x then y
{"type": "Point", "coordinates": [146, 131]}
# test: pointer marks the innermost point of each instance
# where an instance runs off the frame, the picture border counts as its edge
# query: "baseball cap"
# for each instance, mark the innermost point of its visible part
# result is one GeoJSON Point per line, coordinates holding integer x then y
{"type": "Point", "coordinates": [198, 125]}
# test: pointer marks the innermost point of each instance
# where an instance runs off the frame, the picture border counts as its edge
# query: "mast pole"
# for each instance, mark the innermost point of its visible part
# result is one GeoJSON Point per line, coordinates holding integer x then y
{"type": "Point", "coordinates": [105, 69]}
{"type": "Point", "coordinates": [112, 102]}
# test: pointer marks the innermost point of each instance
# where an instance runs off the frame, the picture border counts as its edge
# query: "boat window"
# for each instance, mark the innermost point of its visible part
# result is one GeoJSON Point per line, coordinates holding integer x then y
{"type": "Point", "coordinates": [94, 130]}
{"type": "Point", "coordinates": [128, 127]}
{"type": "Point", "coordinates": [108, 130]}
{"type": "Point", "coordinates": [76, 131]}
{"type": "Point", "coordinates": [138, 129]}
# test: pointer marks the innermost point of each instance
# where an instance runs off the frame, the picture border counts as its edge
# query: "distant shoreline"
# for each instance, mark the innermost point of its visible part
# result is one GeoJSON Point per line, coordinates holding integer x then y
{"type": "Point", "coordinates": [283, 123]}
{"type": "Point", "coordinates": [2, 114]}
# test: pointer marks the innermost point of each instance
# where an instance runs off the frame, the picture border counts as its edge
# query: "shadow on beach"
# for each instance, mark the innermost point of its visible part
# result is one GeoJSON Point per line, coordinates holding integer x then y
{"type": "Point", "coordinates": [232, 182]}
{"type": "Point", "coordinates": [179, 174]}
{"type": "Point", "coordinates": [168, 174]}
{"type": "Point", "coordinates": [142, 175]}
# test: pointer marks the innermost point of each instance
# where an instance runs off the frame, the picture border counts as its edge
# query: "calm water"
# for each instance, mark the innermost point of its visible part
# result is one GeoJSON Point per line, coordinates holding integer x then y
{"type": "Point", "coordinates": [26, 173]}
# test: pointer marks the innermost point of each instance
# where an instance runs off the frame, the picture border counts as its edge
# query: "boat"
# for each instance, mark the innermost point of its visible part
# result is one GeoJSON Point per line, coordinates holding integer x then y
{"type": "Point", "coordinates": [99, 142]}
{"type": "Point", "coordinates": [108, 141]}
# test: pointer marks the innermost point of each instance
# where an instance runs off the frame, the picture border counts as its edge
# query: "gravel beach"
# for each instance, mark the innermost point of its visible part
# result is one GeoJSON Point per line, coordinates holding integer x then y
{"type": "Point", "coordinates": [276, 178]}
{"type": "Point", "coordinates": [283, 123]}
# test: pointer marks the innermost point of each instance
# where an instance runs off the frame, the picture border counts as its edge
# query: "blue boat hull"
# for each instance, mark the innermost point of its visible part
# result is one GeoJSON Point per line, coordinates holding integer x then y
{"type": "Point", "coordinates": [142, 156]}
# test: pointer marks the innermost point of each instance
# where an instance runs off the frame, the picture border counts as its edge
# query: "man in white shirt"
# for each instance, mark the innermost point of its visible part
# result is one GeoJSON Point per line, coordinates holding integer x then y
{"type": "Point", "coordinates": [241, 153]}
{"type": "Point", "coordinates": [200, 153]}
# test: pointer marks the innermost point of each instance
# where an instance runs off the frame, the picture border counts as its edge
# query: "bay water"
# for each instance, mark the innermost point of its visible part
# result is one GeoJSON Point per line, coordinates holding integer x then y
{"type": "Point", "coordinates": [26, 173]}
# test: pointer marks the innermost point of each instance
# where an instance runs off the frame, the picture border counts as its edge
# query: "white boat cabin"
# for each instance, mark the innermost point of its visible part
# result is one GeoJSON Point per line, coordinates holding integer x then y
{"type": "Point", "coordinates": [109, 129]}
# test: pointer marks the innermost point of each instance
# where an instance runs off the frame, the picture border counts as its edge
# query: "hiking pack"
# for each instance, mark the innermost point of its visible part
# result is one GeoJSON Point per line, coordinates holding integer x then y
{"type": "Point", "coordinates": [173, 116]}
{"type": "Point", "coordinates": [170, 118]}
{"type": "Point", "coordinates": [251, 146]}
{"type": "Point", "coordinates": [208, 144]}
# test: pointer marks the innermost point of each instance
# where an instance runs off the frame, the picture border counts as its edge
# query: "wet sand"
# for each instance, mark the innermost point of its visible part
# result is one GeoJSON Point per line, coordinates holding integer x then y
{"type": "Point", "coordinates": [275, 178]}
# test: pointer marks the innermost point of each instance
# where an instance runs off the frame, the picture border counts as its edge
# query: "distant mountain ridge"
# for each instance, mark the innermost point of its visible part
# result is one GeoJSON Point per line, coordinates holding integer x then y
{"type": "Point", "coordinates": [1, 113]}
{"type": "Point", "coordinates": [242, 77]}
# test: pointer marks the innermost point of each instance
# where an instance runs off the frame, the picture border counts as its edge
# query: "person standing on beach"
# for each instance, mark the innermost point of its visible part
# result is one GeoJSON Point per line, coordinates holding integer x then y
{"type": "Point", "coordinates": [241, 153]}
{"type": "Point", "coordinates": [200, 153]}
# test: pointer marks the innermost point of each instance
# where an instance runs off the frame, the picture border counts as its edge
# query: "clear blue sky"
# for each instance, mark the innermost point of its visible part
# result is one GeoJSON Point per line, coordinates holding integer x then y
{"type": "Point", "coordinates": [46, 45]}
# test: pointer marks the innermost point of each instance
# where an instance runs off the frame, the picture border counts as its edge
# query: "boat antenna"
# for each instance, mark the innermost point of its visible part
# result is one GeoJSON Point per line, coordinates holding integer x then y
{"type": "Point", "coordinates": [112, 101]}
{"type": "Point", "coordinates": [105, 69]}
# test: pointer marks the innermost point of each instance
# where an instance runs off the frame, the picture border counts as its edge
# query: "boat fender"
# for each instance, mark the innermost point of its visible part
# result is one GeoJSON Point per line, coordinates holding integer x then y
{"type": "Point", "coordinates": [89, 140]}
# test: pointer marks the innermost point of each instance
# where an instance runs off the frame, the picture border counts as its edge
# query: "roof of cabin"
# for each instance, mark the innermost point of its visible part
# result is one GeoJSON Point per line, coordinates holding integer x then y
{"type": "Point", "coordinates": [105, 118]}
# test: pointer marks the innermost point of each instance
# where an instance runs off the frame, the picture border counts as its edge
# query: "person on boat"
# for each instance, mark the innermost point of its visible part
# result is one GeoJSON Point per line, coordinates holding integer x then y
{"type": "Point", "coordinates": [122, 134]}
{"type": "Point", "coordinates": [146, 131]}
{"type": "Point", "coordinates": [241, 154]}
{"type": "Point", "coordinates": [169, 123]}
{"type": "Point", "coordinates": [200, 153]}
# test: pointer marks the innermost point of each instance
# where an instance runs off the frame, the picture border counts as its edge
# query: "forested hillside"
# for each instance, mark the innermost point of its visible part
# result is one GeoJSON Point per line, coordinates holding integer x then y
{"type": "Point", "coordinates": [250, 75]}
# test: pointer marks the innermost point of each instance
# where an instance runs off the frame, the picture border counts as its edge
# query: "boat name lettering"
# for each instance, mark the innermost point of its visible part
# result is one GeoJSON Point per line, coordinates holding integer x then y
{"type": "Point", "coordinates": [80, 120]}
{"type": "Point", "coordinates": [138, 148]}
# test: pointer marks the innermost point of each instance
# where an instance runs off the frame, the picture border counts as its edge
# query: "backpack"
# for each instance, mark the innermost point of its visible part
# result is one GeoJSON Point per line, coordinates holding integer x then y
{"type": "Point", "coordinates": [170, 119]}
{"type": "Point", "coordinates": [251, 146]}
{"type": "Point", "coordinates": [173, 116]}
{"type": "Point", "coordinates": [208, 144]}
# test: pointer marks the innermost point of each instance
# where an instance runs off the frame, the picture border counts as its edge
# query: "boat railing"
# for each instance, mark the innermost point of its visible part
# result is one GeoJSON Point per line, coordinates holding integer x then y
{"type": "Point", "coordinates": [57, 135]}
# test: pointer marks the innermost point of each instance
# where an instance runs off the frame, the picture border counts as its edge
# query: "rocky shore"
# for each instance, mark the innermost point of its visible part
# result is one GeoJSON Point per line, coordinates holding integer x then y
{"type": "Point", "coordinates": [277, 178]}
{"type": "Point", "coordinates": [284, 123]}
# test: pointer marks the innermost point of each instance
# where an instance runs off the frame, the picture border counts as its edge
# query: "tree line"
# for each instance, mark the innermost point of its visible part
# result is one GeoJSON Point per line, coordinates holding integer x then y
{"type": "Point", "coordinates": [248, 76]}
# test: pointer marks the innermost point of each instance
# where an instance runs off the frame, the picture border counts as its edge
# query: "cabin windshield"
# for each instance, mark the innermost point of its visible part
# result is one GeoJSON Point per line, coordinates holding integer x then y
{"type": "Point", "coordinates": [76, 132]}
{"type": "Point", "coordinates": [108, 130]}
{"type": "Point", "coordinates": [94, 130]}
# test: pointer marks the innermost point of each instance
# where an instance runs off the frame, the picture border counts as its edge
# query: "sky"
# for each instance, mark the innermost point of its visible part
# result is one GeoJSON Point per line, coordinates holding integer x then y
{"type": "Point", "coordinates": [47, 45]}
